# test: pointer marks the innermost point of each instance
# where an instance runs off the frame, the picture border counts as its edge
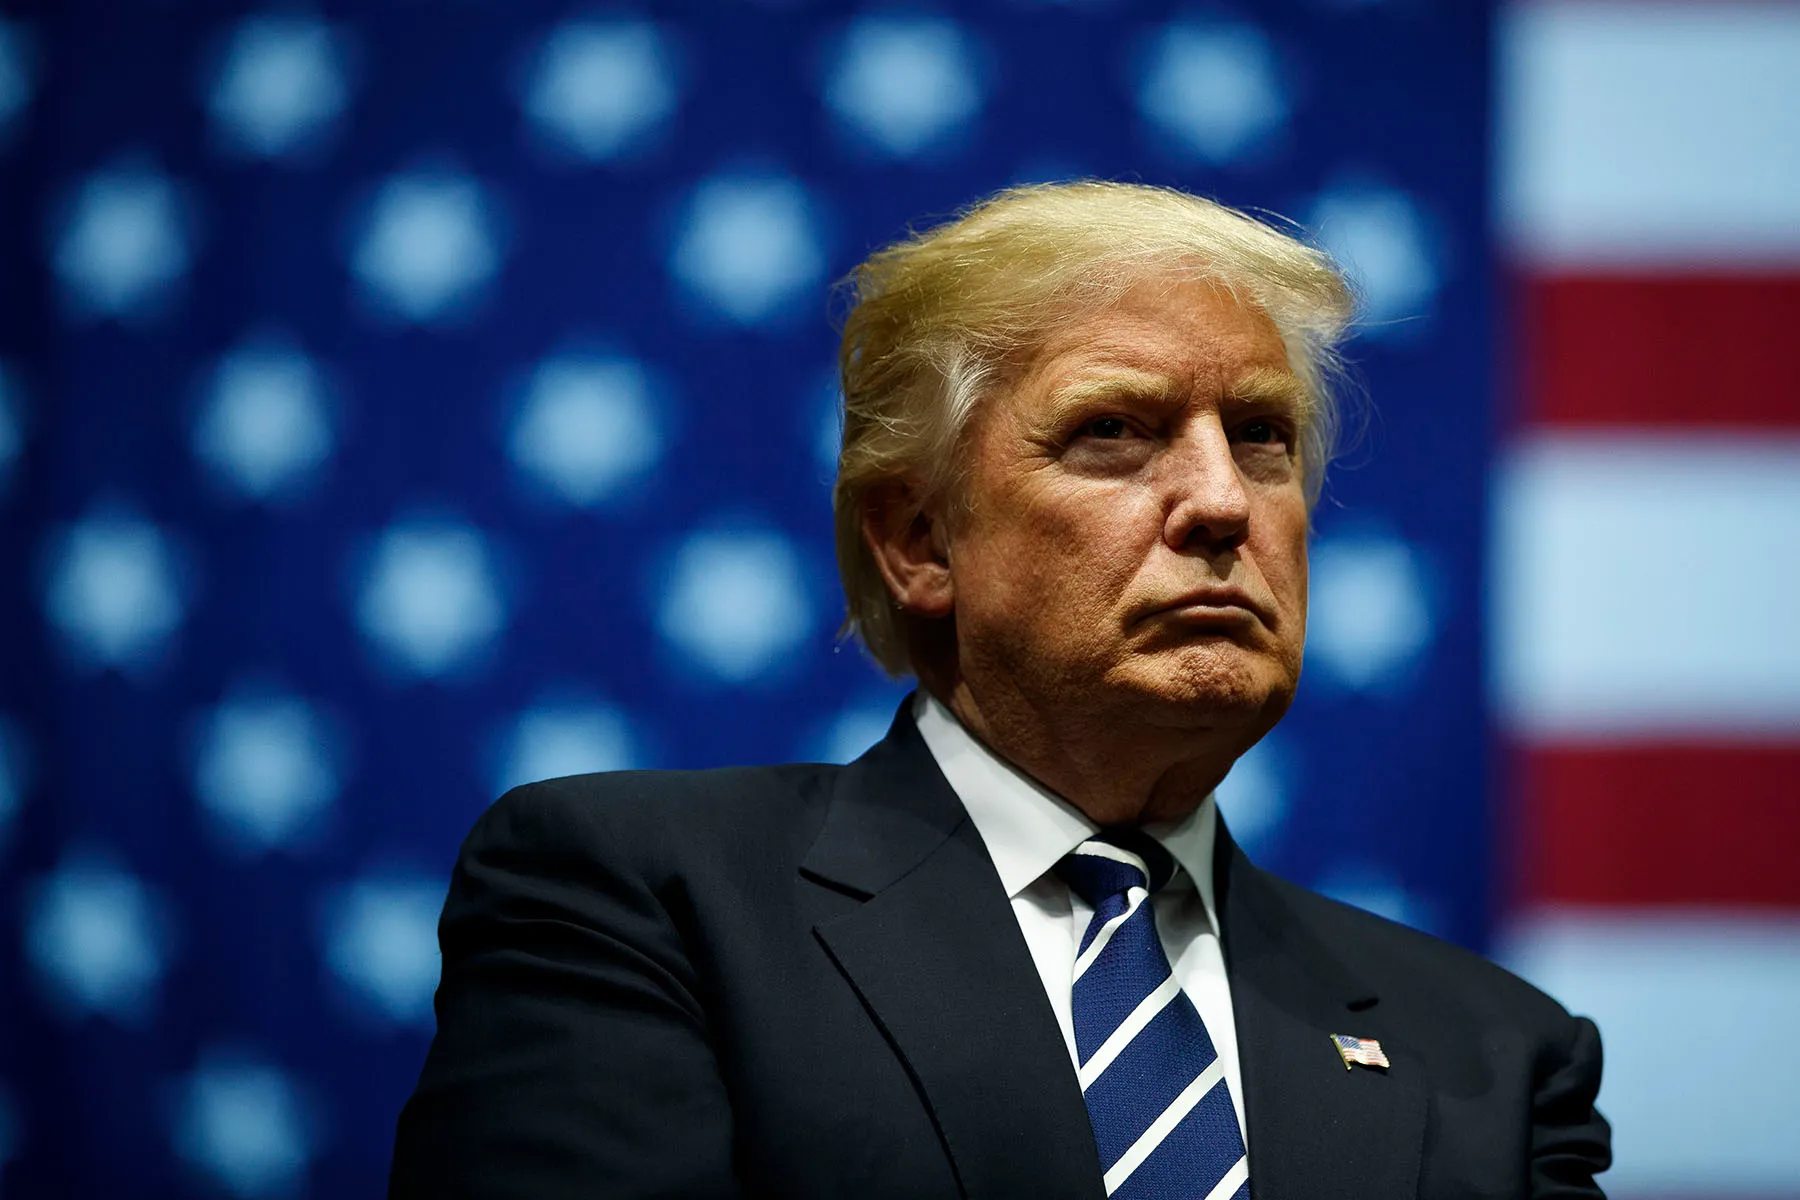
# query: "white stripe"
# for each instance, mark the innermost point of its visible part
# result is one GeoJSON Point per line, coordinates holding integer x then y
{"type": "Point", "coordinates": [1233, 1180]}
{"type": "Point", "coordinates": [1108, 850]}
{"type": "Point", "coordinates": [1642, 134]}
{"type": "Point", "coordinates": [1134, 897]}
{"type": "Point", "coordinates": [1160, 1128]}
{"type": "Point", "coordinates": [1129, 1028]}
{"type": "Point", "coordinates": [1697, 1013]}
{"type": "Point", "coordinates": [1643, 586]}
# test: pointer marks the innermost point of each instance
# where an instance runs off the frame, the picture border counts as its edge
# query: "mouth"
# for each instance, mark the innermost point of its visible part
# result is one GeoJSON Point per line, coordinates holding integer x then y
{"type": "Point", "coordinates": [1223, 609]}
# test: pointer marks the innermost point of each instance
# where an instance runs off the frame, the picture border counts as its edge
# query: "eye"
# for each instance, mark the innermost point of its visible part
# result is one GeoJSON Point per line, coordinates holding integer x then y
{"type": "Point", "coordinates": [1106, 428]}
{"type": "Point", "coordinates": [1274, 432]}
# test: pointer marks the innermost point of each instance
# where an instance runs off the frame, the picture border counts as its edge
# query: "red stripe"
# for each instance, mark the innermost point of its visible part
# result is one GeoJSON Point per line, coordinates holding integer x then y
{"type": "Point", "coordinates": [1661, 350]}
{"type": "Point", "coordinates": [1695, 825]}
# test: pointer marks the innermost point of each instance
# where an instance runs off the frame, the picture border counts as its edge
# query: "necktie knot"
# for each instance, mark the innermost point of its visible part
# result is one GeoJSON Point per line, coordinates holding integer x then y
{"type": "Point", "coordinates": [1114, 861]}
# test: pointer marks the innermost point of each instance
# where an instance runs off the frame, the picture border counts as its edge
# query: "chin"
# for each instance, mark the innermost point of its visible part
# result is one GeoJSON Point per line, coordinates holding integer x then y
{"type": "Point", "coordinates": [1203, 687]}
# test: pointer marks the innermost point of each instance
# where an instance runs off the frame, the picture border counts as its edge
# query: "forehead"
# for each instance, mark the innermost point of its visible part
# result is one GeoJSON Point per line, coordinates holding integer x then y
{"type": "Point", "coordinates": [1189, 333]}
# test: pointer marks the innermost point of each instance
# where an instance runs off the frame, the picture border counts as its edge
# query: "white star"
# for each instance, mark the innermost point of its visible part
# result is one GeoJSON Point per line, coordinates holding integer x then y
{"type": "Point", "coordinates": [12, 425]}
{"type": "Point", "coordinates": [279, 87]}
{"type": "Point", "coordinates": [1379, 236]}
{"type": "Point", "coordinates": [265, 768]}
{"type": "Point", "coordinates": [243, 1123]}
{"type": "Point", "coordinates": [428, 246]}
{"type": "Point", "coordinates": [601, 86]}
{"type": "Point", "coordinates": [91, 933]}
{"type": "Point", "coordinates": [735, 602]}
{"type": "Point", "coordinates": [903, 83]}
{"type": "Point", "coordinates": [122, 244]}
{"type": "Point", "coordinates": [112, 591]}
{"type": "Point", "coordinates": [1213, 87]}
{"type": "Point", "coordinates": [565, 737]}
{"type": "Point", "coordinates": [18, 73]}
{"type": "Point", "coordinates": [1253, 799]}
{"type": "Point", "coordinates": [381, 941]}
{"type": "Point", "coordinates": [747, 246]}
{"type": "Point", "coordinates": [429, 601]}
{"type": "Point", "coordinates": [1368, 614]}
{"type": "Point", "coordinates": [263, 430]}
{"type": "Point", "coordinates": [586, 428]}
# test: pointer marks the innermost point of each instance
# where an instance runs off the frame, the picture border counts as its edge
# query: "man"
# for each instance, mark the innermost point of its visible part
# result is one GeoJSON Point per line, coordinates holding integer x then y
{"type": "Point", "coordinates": [1011, 951]}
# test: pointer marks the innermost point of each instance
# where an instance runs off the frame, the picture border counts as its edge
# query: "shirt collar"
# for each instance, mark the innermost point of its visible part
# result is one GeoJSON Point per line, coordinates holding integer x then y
{"type": "Point", "coordinates": [1027, 827]}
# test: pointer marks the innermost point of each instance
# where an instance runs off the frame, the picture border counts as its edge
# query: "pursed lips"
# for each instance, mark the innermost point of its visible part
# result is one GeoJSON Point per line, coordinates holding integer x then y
{"type": "Point", "coordinates": [1224, 605]}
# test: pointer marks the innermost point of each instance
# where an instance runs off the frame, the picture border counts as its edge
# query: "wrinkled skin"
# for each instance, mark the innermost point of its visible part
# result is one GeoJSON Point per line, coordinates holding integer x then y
{"type": "Point", "coordinates": [1124, 585]}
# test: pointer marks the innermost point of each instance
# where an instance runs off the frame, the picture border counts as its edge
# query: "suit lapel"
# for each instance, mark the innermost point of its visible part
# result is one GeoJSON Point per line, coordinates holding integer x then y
{"type": "Point", "coordinates": [1316, 1130]}
{"type": "Point", "coordinates": [936, 955]}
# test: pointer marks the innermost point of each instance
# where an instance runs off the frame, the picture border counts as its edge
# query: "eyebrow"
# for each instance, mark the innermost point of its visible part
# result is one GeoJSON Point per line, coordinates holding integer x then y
{"type": "Point", "coordinates": [1270, 385]}
{"type": "Point", "coordinates": [1113, 383]}
{"type": "Point", "coordinates": [1261, 385]}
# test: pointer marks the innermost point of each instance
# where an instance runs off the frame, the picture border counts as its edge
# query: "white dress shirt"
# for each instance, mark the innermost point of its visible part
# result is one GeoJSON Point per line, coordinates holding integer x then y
{"type": "Point", "coordinates": [1028, 829]}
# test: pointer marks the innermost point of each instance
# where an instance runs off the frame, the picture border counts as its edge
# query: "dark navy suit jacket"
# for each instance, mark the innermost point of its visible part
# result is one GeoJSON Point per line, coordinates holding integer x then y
{"type": "Point", "coordinates": [807, 981]}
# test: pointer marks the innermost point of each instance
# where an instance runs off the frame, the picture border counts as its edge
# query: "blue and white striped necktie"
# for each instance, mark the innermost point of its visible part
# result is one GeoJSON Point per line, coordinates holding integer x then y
{"type": "Point", "coordinates": [1154, 1084]}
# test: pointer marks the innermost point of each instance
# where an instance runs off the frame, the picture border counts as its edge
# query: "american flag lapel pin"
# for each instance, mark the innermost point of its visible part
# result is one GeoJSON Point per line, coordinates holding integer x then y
{"type": "Point", "coordinates": [1360, 1051]}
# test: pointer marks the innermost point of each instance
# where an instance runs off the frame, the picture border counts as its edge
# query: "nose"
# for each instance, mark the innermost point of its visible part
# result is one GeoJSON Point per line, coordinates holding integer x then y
{"type": "Point", "coordinates": [1206, 506]}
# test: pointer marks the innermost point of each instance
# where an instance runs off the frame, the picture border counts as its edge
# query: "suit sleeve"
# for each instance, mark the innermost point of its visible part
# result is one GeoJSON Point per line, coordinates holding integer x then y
{"type": "Point", "coordinates": [1570, 1141]}
{"type": "Point", "coordinates": [571, 1056]}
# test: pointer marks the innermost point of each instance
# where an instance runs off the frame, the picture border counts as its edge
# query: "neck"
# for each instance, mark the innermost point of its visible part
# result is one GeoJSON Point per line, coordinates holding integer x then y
{"type": "Point", "coordinates": [1116, 768]}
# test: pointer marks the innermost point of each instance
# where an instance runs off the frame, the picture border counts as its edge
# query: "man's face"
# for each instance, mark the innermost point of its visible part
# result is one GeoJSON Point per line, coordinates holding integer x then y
{"type": "Point", "coordinates": [1135, 536]}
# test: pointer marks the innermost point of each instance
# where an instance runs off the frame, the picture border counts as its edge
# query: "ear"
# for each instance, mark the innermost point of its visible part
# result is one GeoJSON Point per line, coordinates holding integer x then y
{"type": "Point", "coordinates": [911, 548]}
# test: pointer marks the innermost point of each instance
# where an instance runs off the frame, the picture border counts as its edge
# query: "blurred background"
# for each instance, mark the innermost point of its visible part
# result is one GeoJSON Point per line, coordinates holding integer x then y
{"type": "Point", "coordinates": [400, 401]}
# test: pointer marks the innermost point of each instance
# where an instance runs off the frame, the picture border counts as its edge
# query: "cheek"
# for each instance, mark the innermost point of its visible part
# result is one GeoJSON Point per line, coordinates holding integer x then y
{"type": "Point", "coordinates": [1281, 553]}
{"type": "Point", "coordinates": [1291, 586]}
{"type": "Point", "coordinates": [1296, 591]}
{"type": "Point", "coordinates": [1058, 551]}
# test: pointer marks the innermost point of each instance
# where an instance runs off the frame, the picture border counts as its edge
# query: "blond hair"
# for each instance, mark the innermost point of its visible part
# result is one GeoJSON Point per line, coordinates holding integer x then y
{"type": "Point", "coordinates": [939, 318]}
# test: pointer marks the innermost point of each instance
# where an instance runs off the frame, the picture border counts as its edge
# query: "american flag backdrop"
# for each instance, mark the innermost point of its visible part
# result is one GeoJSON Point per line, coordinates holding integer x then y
{"type": "Point", "coordinates": [1644, 582]}
{"type": "Point", "coordinates": [402, 400]}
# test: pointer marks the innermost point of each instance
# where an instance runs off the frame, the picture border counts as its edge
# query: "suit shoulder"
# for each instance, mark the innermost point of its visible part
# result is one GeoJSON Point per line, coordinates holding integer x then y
{"type": "Point", "coordinates": [1391, 953]}
{"type": "Point", "coordinates": [614, 809]}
